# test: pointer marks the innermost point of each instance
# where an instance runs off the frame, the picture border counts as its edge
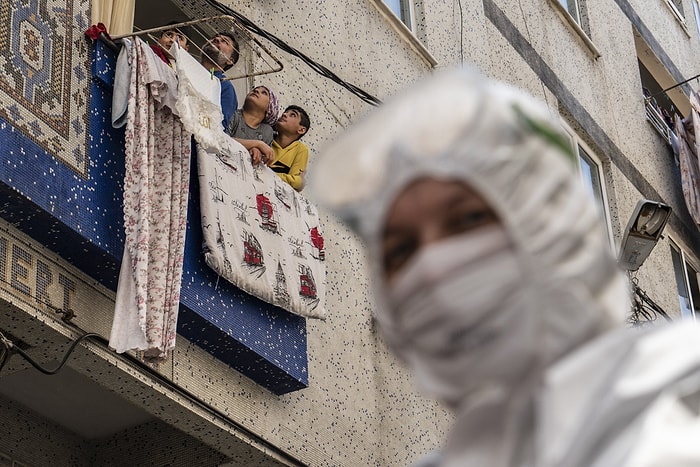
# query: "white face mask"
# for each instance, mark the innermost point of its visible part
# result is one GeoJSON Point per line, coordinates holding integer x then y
{"type": "Point", "coordinates": [456, 316]}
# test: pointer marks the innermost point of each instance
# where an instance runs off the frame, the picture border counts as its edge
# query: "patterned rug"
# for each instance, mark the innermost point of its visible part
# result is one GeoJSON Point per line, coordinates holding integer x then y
{"type": "Point", "coordinates": [44, 75]}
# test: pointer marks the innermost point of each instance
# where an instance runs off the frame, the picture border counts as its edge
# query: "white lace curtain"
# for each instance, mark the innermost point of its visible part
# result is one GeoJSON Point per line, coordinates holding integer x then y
{"type": "Point", "coordinates": [116, 15]}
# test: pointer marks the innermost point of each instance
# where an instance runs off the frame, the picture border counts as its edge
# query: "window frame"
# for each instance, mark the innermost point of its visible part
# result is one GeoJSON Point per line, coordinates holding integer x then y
{"type": "Point", "coordinates": [678, 12]}
{"type": "Point", "coordinates": [686, 260]}
{"type": "Point", "coordinates": [577, 7]}
{"type": "Point", "coordinates": [696, 13]}
{"type": "Point", "coordinates": [404, 32]}
{"type": "Point", "coordinates": [601, 199]}
{"type": "Point", "coordinates": [581, 26]}
{"type": "Point", "coordinates": [407, 7]}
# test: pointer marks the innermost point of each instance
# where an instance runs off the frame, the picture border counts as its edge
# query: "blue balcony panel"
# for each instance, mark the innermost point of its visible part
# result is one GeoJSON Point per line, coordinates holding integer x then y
{"type": "Point", "coordinates": [80, 218]}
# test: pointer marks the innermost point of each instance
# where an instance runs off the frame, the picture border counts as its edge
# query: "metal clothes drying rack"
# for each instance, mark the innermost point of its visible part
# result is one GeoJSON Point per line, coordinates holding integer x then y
{"type": "Point", "coordinates": [274, 65]}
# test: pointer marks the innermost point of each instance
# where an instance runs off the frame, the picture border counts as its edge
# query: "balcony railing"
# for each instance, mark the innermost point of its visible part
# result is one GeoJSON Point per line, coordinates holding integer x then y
{"type": "Point", "coordinates": [657, 120]}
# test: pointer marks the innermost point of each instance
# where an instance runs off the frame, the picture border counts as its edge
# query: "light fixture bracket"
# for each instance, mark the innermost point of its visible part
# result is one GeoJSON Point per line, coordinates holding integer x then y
{"type": "Point", "coordinates": [643, 231]}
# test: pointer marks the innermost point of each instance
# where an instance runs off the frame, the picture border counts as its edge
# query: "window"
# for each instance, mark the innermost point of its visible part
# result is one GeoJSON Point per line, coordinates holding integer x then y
{"type": "Point", "coordinates": [591, 172]}
{"type": "Point", "coordinates": [677, 8]}
{"type": "Point", "coordinates": [687, 283]}
{"type": "Point", "coordinates": [572, 7]}
{"type": "Point", "coordinates": [401, 15]}
{"type": "Point", "coordinates": [591, 175]}
{"type": "Point", "coordinates": [403, 9]}
{"type": "Point", "coordinates": [696, 11]}
{"type": "Point", "coordinates": [661, 107]}
{"type": "Point", "coordinates": [575, 13]}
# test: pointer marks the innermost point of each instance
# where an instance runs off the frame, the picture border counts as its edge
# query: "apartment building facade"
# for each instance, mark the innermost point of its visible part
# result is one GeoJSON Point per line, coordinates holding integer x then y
{"type": "Point", "coordinates": [249, 383]}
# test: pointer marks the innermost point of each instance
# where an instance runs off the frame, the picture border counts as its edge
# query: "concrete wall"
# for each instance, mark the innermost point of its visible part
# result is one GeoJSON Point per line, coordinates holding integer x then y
{"type": "Point", "coordinates": [360, 407]}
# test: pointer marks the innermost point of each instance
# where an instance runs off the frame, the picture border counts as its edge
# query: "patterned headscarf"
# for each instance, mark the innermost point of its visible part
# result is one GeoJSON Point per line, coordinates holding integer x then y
{"type": "Point", "coordinates": [273, 110]}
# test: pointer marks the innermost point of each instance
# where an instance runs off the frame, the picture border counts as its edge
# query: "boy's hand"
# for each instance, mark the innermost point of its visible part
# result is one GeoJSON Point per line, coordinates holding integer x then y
{"type": "Point", "coordinates": [268, 155]}
{"type": "Point", "coordinates": [255, 156]}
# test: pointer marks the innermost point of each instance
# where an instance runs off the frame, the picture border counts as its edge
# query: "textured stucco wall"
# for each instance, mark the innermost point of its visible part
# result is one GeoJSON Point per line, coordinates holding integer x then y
{"type": "Point", "coordinates": [600, 97]}
{"type": "Point", "coordinates": [360, 407]}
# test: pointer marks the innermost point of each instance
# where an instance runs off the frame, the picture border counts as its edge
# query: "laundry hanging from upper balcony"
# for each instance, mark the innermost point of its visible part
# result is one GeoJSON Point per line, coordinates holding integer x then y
{"type": "Point", "coordinates": [157, 159]}
{"type": "Point", "coordinates": [259, 233]}
{"type": "Point", "coordinates": [688, 130]}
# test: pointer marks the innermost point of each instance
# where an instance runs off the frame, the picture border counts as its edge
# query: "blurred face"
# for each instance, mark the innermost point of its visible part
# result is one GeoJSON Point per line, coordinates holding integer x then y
{"type": "Point", "coordinates": [426, 212]}
{"type": "Point", "coordinates": [224, 44]}
{"type": "Point", "coordinates": [290, 122]}
{"type": "Point", "coordinates": [169, 37]}
{"type": "Point", "coordinates": [259, 96]}
{"type": "Point", "coordinates": [220, 49]}
{"type": "Point", "coordinates": [452, 282]}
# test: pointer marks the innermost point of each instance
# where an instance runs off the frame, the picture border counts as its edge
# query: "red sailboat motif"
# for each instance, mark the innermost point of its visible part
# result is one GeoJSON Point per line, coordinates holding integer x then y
{"type": "Point", "coordinates": [252, 253]}
{"type": "Point", "coordinates": [267, 213]}
{"type": "Point", "coordinates": [317, 242]}
{"type": "Point", "coordinates": [307, 286]}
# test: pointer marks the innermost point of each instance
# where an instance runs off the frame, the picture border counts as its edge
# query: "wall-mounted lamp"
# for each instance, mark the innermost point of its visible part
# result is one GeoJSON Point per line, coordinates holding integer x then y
{"type": "Point", "coordinates": [643, 231]}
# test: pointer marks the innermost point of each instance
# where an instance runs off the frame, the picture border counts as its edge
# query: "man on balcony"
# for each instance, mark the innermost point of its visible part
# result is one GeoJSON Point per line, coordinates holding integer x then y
{"type": "Point", "coordinates": [218, 55]}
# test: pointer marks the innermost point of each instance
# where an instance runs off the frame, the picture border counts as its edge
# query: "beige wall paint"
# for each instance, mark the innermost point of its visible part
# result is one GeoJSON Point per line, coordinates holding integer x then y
{"type": "Point", "coordinates": [361, 407]}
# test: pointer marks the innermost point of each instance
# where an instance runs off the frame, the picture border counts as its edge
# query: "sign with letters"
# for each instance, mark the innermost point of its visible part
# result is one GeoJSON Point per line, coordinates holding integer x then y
{"type": "Point", "coordinates": [32, 274]}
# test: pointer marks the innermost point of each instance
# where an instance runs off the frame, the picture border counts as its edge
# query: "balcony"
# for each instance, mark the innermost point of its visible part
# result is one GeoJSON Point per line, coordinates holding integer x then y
{"type": "Point", "coordinates": [656, 117]}
{"type": "Point", "coordinates": [75, 211]}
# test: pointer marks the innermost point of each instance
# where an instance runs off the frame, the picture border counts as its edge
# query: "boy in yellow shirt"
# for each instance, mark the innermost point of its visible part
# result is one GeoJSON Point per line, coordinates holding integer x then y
{"type": "Point", "coordinates": [291, 155]}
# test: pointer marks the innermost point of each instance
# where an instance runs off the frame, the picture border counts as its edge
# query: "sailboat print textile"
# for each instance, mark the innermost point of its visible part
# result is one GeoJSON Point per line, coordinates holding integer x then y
{"type": "Point", "coordinates": [259, 233]}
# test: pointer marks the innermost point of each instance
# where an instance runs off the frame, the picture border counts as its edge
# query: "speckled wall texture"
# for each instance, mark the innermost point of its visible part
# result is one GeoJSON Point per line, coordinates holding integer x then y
{"type": "Point", "coordinates": [152, 443]}
{"type": "Point", "coordinates": [360, 407]}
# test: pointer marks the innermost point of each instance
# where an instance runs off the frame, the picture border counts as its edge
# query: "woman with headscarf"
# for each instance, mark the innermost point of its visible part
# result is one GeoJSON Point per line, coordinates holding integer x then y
{"type": "Point", "coordinates": [252, 126]}
{"type": "Point", "coordinates": [495, 284]}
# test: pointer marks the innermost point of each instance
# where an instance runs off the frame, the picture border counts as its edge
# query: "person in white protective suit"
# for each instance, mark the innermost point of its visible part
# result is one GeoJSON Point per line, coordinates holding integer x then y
{"type": "Point", "coordinates": [496, 286]}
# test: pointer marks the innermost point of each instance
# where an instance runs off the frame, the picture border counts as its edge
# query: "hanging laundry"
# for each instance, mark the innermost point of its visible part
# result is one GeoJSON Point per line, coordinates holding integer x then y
{"type": "Point", "coordinates": [122, 81]}
{"type": "Point", "coordinates": [688, 130]}
{"type": "Point", "coordinates": [259, 233]}
{"type": "Point", "coordinates": [199, 100]}
{"type": "Point", "coordinates": [156, 183]}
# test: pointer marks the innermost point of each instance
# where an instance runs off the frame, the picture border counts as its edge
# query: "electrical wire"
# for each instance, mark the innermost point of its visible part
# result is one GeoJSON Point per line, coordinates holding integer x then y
{"type": "Point", "coordinates": [6, 346]}
{"type": "Point", "coordinates": [317, 67]}
{"type": "Point", "coordinates": [10, 348]}
{"type": "Point", "coordinates": [644, 309]}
